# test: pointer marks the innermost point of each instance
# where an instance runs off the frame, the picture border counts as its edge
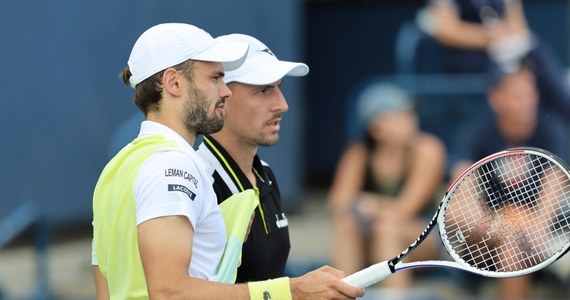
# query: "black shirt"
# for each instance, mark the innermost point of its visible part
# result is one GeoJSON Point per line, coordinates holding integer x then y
{"type": "Point", "coordinates": [266, 249]}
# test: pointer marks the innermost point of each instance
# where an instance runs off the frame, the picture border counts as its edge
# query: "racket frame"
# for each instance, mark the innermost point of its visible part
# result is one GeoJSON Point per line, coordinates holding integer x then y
{"type": "Point", "coordinates": [458, 261]}
{"type": "Point", "coordinates": [379, 271]}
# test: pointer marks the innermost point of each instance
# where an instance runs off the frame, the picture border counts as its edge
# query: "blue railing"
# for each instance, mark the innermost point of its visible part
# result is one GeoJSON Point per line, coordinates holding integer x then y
{"type": "Point", "coordinates": [24, 217]}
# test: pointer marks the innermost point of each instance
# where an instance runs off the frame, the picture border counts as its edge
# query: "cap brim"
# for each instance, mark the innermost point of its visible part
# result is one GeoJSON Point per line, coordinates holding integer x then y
{"type": "Point", "coordinates": [231, 54]}
{"type": "Point", "coordinates": [271, 72]}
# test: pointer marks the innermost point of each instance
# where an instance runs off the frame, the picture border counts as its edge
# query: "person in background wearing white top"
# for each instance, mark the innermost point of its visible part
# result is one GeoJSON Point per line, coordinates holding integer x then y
{"type": "Point", "coordinates": [158, 232]}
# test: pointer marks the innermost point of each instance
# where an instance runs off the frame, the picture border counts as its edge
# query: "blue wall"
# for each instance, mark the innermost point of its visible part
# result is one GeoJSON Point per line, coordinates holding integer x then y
{"type": "Point", "coordinates": [62, 100]}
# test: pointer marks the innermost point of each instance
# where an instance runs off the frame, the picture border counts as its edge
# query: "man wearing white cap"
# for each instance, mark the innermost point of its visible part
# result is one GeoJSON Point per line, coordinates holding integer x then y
{"type": "Point", "coordinates": [157, 229]}
{"type": "Point", "coordinates": [251, 119]}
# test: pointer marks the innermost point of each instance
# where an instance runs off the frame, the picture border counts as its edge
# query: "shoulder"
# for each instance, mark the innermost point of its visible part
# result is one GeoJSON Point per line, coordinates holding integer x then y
{"type": "Point", "coordinates": [264, 164]}
{"type": "Point", "coordinates": [267, 168]}
{"type": "Point", "coordinates": [172, 182]}
{"type": "Point", "coordinates": [355, 150]}
{"type": "Point", "coordinates": [430, 145]}
{"type": "Point", "coordinates": [175, 156]}
{"type": "Point", "coordinates": [270, 174]}
{"type": "Point", "coordinates": [550, 126]}
{"type": "Point", "coordinates": [174, 163]}
{"type": "Point", "coordinates": [353, 159]}
{"type": "Point", "coordinates": [208, 158]}
{"type": "Point", "coordinates": [551, 135]}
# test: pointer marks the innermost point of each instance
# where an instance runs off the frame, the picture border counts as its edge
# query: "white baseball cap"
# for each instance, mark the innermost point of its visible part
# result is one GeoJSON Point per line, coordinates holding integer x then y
{"type": "Point", "coordinates": [261, 65]}
{"type": "Point", "coordinates": [166, 45]}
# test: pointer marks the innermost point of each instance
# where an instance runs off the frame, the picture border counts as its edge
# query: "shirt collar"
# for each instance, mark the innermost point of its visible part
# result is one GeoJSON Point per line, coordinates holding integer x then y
{"type": "Point", "coordinates": [153, 128]}
{"type": "Point", "coordinates": [257, 166]}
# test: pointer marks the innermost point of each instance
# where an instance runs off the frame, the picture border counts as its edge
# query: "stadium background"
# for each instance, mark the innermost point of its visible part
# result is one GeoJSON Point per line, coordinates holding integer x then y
{"type": "Point", "coordinates": [65, 111]}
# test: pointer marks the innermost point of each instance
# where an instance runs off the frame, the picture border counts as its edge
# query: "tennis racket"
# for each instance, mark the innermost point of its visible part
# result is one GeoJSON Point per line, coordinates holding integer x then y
{"type": "Point", "coordinates": [507, 215]}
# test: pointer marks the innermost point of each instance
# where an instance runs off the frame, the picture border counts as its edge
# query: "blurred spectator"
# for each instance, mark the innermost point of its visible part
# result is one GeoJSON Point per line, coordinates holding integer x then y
{"type": "Point", "coordinates": [384, 183]}
{"type": "Point", "coordinates": [513, 99]}
{"type": "Point", "coordinates": [475, 29]}
{"type": "Point", "coordinates": [480, 33]}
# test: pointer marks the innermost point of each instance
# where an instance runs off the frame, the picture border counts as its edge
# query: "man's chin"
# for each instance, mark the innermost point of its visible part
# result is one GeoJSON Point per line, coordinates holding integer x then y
{"type": "Point", "coordinates": [212, 127]}
{"type": "Point", "coordinates": [269, 141]}
{"type": "Point", "coordinates": [215, 129]}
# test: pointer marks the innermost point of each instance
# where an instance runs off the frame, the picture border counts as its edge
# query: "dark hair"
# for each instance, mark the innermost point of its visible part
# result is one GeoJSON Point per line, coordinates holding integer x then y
{"type": "Point", "coordinates": [148, 93]}
{"type": "Point", "coordinates": [368, 140]}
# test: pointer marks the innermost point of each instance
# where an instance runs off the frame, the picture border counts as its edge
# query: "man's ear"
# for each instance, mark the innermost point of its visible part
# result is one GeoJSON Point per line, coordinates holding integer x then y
{"type": "Point", "coordinates": [172, 82]}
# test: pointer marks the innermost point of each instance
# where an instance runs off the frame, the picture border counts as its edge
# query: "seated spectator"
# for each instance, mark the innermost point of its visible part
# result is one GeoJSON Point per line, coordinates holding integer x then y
{"type": "Point", "coordinates": [516, 121]}
{"type": "Point", "coordinates": [477, 34]}
{"type": "Point", "coordinates": [383, 185]}
{"type": "Point", "coordinates": [475, 31]}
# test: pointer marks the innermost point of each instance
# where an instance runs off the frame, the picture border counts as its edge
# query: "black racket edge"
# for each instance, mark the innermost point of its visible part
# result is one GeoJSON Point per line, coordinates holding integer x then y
{"type": "Point", "coordinates": [392, 263]}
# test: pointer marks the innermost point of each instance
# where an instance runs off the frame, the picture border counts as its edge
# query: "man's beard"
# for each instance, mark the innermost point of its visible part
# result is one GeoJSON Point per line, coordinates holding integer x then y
{"type": "Point", "coordinates": [196, 118]}
{"type": "Point", "coordinates": [265, 141]}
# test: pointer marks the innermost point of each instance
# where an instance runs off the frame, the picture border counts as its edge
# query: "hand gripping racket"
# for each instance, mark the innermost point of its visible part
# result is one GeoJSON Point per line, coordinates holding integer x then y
{"type": "Point", "coordinates": [507, 215]}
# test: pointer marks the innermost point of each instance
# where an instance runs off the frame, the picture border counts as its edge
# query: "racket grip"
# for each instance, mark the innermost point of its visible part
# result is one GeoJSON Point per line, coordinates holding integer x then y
{"type": "Point", "coordinates": [369, 276]}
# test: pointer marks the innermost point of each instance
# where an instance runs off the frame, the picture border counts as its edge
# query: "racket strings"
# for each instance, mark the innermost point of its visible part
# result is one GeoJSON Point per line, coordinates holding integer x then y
{"type": "Point", "coordinates": [509, 214]}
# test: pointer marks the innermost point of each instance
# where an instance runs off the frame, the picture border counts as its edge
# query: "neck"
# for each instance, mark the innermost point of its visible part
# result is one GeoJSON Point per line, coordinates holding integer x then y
{"type": "Point", "coordinates": [516, 131]}
{"type": "Point", "coordinates": [242, 153]}
{"type": "Point", "coordinates": [178, 127]}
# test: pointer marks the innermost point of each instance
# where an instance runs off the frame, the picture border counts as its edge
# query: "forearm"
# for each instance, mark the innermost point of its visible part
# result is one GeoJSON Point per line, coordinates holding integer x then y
{"type": "Point", "coordinates": [515, 16]}
{"type": "Point", "coordinates": [449, 30]}
{"type": "Point", "coordinates": [340, 203]}
{"type": "Point", "coordinates": [194, 288]}
{"type": "Point", "coordinates": [426, 177]}
{"type": "Point", "coordinates": [323, 283]}
{"type": "Point", "coordinates": [101, 287]}
{"type": "Point", "coordinates": [412, 205]}
{"type": "Point", "coordinates": [418, 195]}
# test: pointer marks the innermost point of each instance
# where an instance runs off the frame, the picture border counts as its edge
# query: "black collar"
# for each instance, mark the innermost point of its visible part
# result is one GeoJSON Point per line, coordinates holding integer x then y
{"type": "Point", "coordinates": [232, 168]}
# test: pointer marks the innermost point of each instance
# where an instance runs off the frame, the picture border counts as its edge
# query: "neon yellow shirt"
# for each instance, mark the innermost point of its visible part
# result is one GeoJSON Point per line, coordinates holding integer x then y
{"type": "Point", "coordinates": [114, 220]}
{"type": "Point", "coordinates": [133, 188]}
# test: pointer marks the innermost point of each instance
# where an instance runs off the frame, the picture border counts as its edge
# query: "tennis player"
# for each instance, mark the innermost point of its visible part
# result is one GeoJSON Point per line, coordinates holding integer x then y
{"type": "Point", "coordinates": [252, 119]}
{"type": "Point", "coordinates": [158, 231]}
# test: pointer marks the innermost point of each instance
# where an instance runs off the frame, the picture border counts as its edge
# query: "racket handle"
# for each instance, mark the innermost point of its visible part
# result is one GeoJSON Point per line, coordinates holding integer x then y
{"type": "Point", "coordinates": [369, 276]}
